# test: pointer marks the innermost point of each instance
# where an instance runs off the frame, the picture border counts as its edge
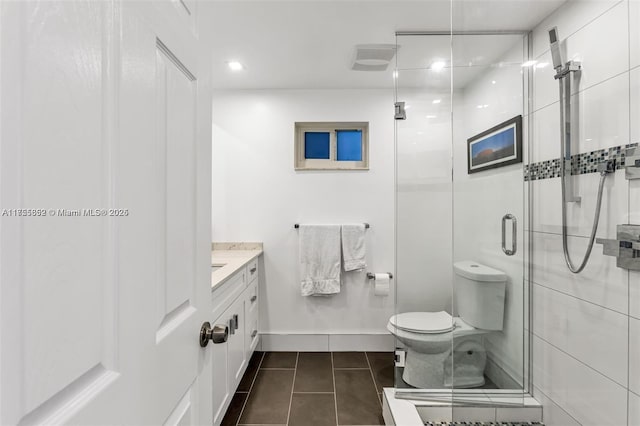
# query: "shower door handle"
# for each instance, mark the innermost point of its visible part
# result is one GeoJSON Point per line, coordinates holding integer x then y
{"type": "Point", "coordinates": [514, 234]}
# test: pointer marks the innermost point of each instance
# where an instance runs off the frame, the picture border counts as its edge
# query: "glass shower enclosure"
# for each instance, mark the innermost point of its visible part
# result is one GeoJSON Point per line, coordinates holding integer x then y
{"type": "Point", "coordinates": [462, 314]}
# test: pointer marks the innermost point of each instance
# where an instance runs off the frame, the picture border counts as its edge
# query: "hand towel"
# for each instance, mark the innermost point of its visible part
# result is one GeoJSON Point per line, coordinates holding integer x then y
{"type": "Point", "coordinates": [353, 247]}
{"type": "Point", "coordinates": [319, 259]}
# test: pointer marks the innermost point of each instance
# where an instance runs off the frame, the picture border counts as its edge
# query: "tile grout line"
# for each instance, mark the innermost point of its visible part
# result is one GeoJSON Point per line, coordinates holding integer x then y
{"type": "Point", "coordinates": [352, 368]}
{"type": "Point", "coordinates": [315, 393]}
{"type": "Point", "coordinates": [278, 368]}
{"type": "Point", "coordinates": [293, 384]}
{"type": "Point", "coordinates": [244, 405]}
{"type": "Point", "coordinates": [375, 385]}
{"type": "Point", "coordinates": [335, 392]}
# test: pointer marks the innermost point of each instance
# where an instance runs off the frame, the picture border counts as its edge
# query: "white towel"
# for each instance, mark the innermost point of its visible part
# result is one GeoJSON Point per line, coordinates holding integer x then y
{"type": "Point", "coordinates": [353, 247]}
{"type": "Point", "coordinates": [319, 259]}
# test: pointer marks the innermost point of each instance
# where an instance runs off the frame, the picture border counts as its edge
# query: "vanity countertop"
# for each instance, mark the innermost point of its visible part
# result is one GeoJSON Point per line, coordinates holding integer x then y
{"type": "Point", "coordinates": [229, 258]}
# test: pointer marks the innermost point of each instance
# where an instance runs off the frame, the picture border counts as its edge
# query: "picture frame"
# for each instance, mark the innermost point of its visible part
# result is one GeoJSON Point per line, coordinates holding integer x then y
{"type": "Point", "coordinates": [499, 146]}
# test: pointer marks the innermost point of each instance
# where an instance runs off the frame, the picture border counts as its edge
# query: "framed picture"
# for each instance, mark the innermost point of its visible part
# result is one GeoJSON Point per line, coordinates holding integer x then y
{"type": "Point", "coordinates": [499, 146]}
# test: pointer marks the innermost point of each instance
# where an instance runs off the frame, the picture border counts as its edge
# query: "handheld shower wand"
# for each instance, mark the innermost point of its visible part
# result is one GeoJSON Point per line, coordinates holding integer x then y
{"type": "Point", "coordinates": [564, 73]}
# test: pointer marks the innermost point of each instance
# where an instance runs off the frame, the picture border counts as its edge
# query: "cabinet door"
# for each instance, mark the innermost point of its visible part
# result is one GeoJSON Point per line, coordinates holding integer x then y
{"type": "Point", "coordinates": [235, 345]}
{"type": "Point", "coordinates": [221, 389]}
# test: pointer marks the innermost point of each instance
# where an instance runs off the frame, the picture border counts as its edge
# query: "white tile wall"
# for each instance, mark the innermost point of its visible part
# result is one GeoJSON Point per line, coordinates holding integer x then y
{"type": "Point", "coordinates": [546, 132]}
{"type": "Point", "coordinates": [547, 209]}
{"type": "Point", "coordinates": [553, 414]}
{"type": "Point", "coordinates": [634, 81]}
{"type": "Point", "coordinates": [476, 414]}
{"type": "Point", "coordinates": [588, 396]}
{"type": "Point", "coordinates": [586, 346]}
{"type": "Point", "coordinates": [634, 409]}
{"type": "Point", "coordinates": [573, 326]}
{"type": "Point", "coordinates": [634, 355]}
{"type": "Point", "coordinates": [569, 18]}
{"type": "Point", "coordinates": [602, 47]}
{"type": "Point", "coordinates": [524, 414]}
{"type": "Point", "coordinates": [634, 32]}
{"type": "Point", "coordinates": [601, 282]}
{"type": "Point", "coordinates": [634, 293]}
{"type": "Point", "coordinates": [603, 114]}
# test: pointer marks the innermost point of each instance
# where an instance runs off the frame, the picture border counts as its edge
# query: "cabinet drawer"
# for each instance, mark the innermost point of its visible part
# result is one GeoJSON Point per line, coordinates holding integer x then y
{"type": "Point", "coordinates": [252, 334]}
{"type": "Point", "coordinates": [252, 298]}
{"type": "Point", "coordinates": [252, 270]}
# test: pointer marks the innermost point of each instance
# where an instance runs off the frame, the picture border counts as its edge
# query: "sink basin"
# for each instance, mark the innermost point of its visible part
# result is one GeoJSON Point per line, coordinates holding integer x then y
{"type": "Point", "coordinates": [217, 266]}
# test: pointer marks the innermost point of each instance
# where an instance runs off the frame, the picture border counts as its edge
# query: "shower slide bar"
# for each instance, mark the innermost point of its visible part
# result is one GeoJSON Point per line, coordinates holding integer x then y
{"type": "Point", "coordinates": [297, 225]}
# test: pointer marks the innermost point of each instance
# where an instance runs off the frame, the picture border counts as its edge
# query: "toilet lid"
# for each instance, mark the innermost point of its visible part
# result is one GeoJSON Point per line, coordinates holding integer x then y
{"type": "Point", "coordinates": [423, 322]}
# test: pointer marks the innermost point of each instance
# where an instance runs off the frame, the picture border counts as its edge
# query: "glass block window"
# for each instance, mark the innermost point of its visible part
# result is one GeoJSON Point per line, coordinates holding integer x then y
{"type": "Point", "coordinates": [331, 146]}
{"type": "Point", "coordinates": [349, 144]}
{"type": "Point", "coordinates": [317, 145]}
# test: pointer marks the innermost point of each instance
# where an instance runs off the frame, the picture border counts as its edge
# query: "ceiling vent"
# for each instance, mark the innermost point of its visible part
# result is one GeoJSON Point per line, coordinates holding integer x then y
{"type": "Point", "coordinates": [372, 57]}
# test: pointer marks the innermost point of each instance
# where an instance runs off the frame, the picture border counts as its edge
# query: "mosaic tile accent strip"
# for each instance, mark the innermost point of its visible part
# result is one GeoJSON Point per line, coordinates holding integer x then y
{"type": "Point", "coordinates": [580, 163]}
{"type": "Point", "coordinates": [484, 424]}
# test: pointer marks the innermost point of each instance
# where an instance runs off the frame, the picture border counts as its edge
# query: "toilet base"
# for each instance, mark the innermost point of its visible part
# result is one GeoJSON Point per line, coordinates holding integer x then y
{"type": "Point", "coordinates": [463, 369]}
{"type": "Point", "coordinates": [424, 371]}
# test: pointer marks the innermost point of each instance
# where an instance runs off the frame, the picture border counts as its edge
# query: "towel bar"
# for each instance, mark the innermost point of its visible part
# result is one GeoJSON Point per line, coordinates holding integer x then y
{"type": "Point", "coordinates": [372, 276]}
{"type": "Point", "coordinates": [297, 225]}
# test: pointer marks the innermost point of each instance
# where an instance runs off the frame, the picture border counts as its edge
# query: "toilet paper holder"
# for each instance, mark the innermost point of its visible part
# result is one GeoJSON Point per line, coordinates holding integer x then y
{"type": "Point", "coordinates": [372, 276]}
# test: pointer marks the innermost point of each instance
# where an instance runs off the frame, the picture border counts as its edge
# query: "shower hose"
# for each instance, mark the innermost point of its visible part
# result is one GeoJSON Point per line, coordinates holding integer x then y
{"type": "Point", "coordinates": [594, 228]}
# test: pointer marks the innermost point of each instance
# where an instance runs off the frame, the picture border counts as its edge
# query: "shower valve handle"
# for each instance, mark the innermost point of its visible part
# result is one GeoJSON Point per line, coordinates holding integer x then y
{"type": "Point", "coordinates": [626, 248]}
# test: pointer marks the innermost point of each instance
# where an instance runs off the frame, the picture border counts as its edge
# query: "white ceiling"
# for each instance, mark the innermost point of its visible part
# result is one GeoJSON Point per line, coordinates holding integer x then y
{"type": "Point", "coordinates": [309, 44]}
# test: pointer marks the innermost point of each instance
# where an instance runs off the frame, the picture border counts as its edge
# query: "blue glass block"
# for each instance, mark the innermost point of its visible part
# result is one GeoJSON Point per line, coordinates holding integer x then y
{"type": "Point", "coordinates": [316, 145]}
{"type": "Point", "coordinates": [349, 145]}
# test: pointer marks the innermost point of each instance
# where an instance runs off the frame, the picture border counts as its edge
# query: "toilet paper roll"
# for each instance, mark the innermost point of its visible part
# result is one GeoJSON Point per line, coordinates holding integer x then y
{"type": "Point", "coordinates": [382, 284]}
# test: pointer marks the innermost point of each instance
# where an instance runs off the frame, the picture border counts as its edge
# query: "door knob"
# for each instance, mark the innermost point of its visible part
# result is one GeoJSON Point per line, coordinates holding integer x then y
{"type": "Point", "coordinates": [219, 333]}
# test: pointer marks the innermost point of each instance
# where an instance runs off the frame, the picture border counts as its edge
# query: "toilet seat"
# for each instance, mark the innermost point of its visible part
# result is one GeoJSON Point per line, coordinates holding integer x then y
{"type": "Point", "coordinates": [423, 322]}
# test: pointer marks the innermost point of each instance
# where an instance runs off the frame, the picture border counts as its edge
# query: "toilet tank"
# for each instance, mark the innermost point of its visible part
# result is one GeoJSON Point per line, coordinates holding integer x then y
{"type": "Point", "coordinates": [479, 292]}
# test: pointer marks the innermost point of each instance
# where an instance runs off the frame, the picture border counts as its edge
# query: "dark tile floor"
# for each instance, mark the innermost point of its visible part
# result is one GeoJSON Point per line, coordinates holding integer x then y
{"type": "Point", "coordinates": [312, 389]}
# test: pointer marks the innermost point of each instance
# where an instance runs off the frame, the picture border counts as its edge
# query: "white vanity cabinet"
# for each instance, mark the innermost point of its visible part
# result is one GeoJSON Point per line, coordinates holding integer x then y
{"type": "Point", "coordinates": [235, 302]}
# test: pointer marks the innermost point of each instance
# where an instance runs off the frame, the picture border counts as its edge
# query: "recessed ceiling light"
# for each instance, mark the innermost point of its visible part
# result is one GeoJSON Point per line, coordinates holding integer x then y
{"type": "Point", "coordinates": [529, 63]}
{"type": "Point", "coordinates": [431, 116]}
{"type": "Point", "coordinates": [235, 66]}
{"type": "Point", "coordinates": [493, 82]}
{"type": "Point", "coordinates": [437, 101]}
{"type": "Point", "coordinates": [438, 66]}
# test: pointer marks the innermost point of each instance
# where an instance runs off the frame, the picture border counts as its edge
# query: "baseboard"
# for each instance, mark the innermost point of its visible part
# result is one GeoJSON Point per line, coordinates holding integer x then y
{"type": "Point", "coordinates": [327, 342]}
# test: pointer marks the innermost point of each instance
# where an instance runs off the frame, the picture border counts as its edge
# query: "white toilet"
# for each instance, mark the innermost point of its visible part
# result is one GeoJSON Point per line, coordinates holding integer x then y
{"type": "Point", "coordinates": [445, 351]}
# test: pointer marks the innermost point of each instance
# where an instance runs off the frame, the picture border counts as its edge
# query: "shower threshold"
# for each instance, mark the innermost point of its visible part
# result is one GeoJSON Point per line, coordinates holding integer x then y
{"type": "Point", "coordinates": [444, 406]}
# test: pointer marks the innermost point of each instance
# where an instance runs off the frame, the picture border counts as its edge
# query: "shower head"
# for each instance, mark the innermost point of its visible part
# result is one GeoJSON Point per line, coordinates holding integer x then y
{"type": "Point", "coordinates": [556, 56]}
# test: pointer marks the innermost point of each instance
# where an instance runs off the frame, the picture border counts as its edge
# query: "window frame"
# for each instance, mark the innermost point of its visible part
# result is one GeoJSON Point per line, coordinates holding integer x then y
{"type": "Point", "coordinates": [302, 163]}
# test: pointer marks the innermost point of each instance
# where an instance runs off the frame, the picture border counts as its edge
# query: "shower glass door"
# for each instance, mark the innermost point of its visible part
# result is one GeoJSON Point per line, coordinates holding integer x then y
{"type": "Point", "coordinates": [459, 182]}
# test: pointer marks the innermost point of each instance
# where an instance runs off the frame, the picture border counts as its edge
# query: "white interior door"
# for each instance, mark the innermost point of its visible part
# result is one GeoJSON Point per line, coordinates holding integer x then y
{"type": "Point", "coordinates": [104, 105]}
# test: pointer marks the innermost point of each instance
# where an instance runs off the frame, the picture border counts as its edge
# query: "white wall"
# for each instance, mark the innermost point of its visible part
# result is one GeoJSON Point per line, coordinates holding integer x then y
{"type": "Point", "coordinates": [424, 219]}
{"type": "Point", "coordinates": [481, 199]}
{"type": "Point", "coordinates": [258, 196]}
{"type": "Point", "coordinates": [586, 350]}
